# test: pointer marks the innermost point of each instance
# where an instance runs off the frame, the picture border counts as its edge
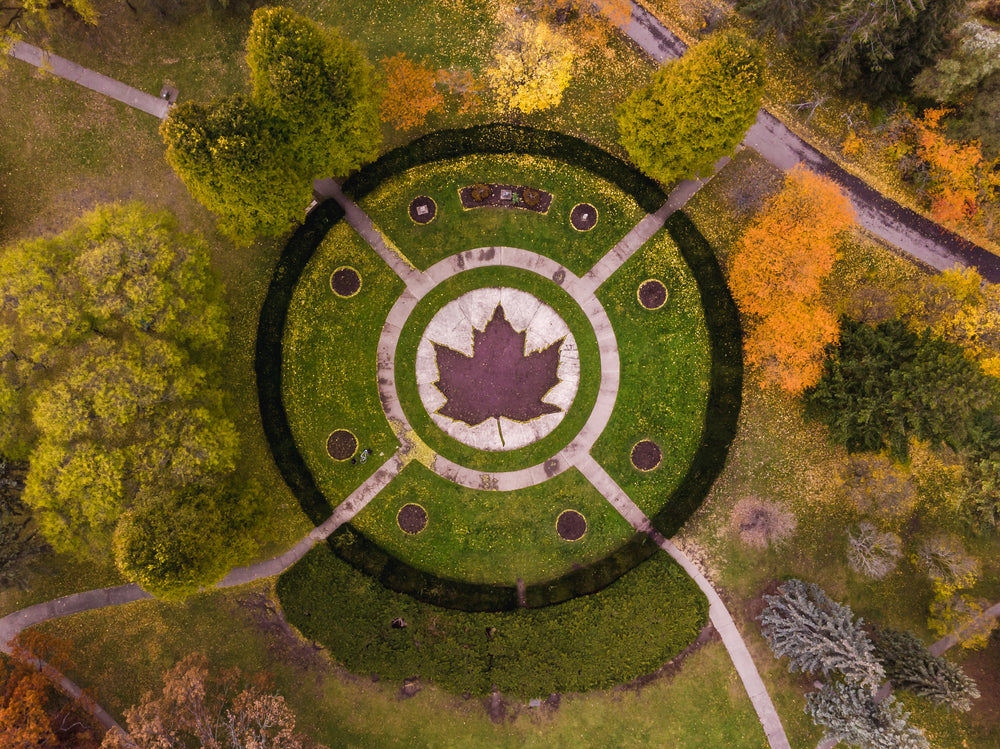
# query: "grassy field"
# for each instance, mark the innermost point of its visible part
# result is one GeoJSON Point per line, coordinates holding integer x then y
{"type": "Point", "coordinates": [493, 537]}
{"type": "Point", "coordinates": [455, 229]}
{"type": "Point", "coordinates": [664, 381]}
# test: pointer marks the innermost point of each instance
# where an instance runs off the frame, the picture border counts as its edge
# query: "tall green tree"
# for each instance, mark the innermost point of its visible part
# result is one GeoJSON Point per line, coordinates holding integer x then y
{"type": "Point", "coordinates": [112, 332]}
{"type": "Point", "coordinates": [319, 87]}
{"type": "Point", "coordinates": [909, 665]}
{"type": "Point", "coordinates": [694, 110]}
{"type": "Point", "coordinates": [850, 714]}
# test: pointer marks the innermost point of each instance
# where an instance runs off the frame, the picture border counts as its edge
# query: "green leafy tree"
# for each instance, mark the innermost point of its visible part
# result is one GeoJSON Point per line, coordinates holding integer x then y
{"type": "Point", "coordinates": [819, 635]}
{"type": "Point", "coordinates": [909, 665]}
{"type": "Point", "coordinates": [319, 87]}
{"type": "Point", "coordinates": [120, 407]}
{"type": "Point", "coordinates": [694, 110]}
{"type": "Point", "coordinates": [849, 713]}
{"type": "Point", "coordinates": [236, 160]}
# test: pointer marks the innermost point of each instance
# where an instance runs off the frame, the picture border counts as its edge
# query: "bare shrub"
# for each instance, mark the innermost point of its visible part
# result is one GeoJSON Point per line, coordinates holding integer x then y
{"type": "Point", "coordinates": [947, 564]}
{"type": "Point", "coordinates": [873, 553]}
{"type": "Point", "coordinates": [761, 523]}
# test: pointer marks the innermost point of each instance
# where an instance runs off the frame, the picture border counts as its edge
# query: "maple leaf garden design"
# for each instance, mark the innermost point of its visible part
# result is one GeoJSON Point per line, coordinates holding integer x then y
{"type": "Point", "coordinates": [483, 326]}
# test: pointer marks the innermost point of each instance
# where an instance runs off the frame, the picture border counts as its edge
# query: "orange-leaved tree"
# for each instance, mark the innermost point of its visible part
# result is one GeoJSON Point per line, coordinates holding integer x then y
{"type": "Point", "coordinates": [410, 93]}
{"type": "Point", "coordinates": [777, 273]}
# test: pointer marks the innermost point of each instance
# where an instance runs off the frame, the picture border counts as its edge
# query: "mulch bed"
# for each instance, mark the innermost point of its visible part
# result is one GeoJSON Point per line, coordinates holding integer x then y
{"type": "Point", "coordinates": [652, 294]}
{"type": "Point", "coordinates": [503, 196]}
{"type": "Point", "coordinates": [341, 445]}
{"type": "Point", "coordinates": [583, 217]}
{"type": "Point", "coordinates": [345, 281]}
{"type": "Point", "coordinates": [646, 455]}
{"type": "Point", "coordinates": [412, 518]}
{"type": "Point", "coordinates": [571, 525]}
{"type": "Point", "coordinates": [423, 209]}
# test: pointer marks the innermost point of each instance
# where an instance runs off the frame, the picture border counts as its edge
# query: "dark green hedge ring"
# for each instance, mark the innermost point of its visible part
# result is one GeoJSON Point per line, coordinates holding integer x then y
{"type": "Point", "coordinates": [725, 380]}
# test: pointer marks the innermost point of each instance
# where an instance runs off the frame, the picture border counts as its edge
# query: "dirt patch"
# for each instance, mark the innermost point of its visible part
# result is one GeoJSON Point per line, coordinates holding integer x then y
{"type": "Point", "coordinates": [412, 518]}
{"type": "Point", "coordinates": [284, 645]}
{"type": "Point", "coordinates": [345, 282]}
{"type": "Point", "coordinates": [646, 455]}
{"type": "Point", "coordinates": [423, 209]}
{"type": "Point", "coordinates": [583, 217]}
{"type": "Point", "coordinates": [983, 666]}
{"type": "Point", "coordinates": [505, 196]}
{"type": "Point", "coordinates": [571, 525]}
{"type": "Point", "coordinates": [341, 445]}
{"type": "Point", "coordinates": [652, 293]}
{"type": "Point", "coordinates": [754, 607]}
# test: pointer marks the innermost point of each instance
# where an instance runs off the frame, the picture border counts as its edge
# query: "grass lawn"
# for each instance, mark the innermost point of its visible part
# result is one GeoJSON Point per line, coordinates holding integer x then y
{"type": "Point", "coordinates": [329, 361]}
{"type": "Point", "coordinates": [493, 537]}
{"type": "Point", "coordinates": [455, 229]}
{"type": "Point", "coordinates": [664, 373]}
{"type": "Point", "coordinates": [526, 456]}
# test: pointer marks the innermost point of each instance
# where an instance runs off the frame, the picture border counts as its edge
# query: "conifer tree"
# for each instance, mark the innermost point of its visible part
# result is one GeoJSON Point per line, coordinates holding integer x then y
{"type": "Point", "coordinates": [909, 665]}
{"type": "Point", "coordinates": [849, 713]}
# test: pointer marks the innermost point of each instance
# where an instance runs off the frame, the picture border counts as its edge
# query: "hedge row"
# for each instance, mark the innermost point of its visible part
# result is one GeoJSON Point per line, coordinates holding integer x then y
{"type": "Point", "coordinates": [628, 629]}
{"type": "Point", "coordinates": [725, 395]}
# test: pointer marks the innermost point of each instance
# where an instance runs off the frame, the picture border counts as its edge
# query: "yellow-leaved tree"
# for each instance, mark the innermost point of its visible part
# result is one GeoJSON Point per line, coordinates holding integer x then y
{"type": "Point", "coordinates": [533, 66]}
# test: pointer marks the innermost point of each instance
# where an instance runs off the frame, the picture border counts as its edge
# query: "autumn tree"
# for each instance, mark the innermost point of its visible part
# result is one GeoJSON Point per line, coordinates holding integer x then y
{"type": "Point", "coordinates": [588, 22]}
{"type": "Point", "coordinates": [777, 273]}
{"type": "Point", "coordinates": [114, 330]}
{"type": "Point", "coordinates": [32, 712]}
{"type": "Point", "coordinates": [201, 708]}
{"type": "Point", "coordinates": [410, 93]}
{"type": "Point", "coordinates": [880, 488]}
{"type": "Point", "coordinates": [532, 66]}
{"type": "Point", "coordinates": [694, 110]}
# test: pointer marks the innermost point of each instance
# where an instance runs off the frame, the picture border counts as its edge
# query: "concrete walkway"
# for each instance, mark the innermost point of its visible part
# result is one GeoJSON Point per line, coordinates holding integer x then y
{"type": "Point", "coordinates": [63, 68]}
{"type": "Point", "coordinates": [884, 218]}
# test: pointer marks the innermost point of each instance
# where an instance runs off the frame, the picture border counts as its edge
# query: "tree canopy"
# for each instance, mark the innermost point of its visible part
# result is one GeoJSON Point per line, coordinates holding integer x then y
{"type": "Point", "coordinates": [112, 333]}
{"type": "Point", "coordinates": [533, 65]}
{"type": "Point", "coordinates": [313, 113]}
{"type": "Point", "coordinates": [694, 110]}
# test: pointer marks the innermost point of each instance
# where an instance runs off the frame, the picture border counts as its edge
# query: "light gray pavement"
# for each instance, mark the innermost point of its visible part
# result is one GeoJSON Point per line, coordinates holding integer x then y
{"type": "Point", "coordinates": [718, 614]}
{"type": "Point", "coordinates": [63, 68]}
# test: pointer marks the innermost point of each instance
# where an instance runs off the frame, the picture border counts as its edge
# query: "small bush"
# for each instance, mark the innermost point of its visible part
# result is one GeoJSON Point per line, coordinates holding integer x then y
{"type": "Point", "coordinates": [872, 553]}
{"type": "Point", "coordinates": [532, 197]}
{"type": "Point", "coordinates": [948, 566]}
{"type": "Point", "coordinates": [761, 523]}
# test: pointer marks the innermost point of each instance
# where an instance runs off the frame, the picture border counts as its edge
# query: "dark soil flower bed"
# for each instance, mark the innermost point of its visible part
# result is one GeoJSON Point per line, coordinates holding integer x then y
{"type": "Point", "coordinates": [571, 525]}
{"type": "Point", "coordinates": [341, 445]}
{"type": "Point", "coordinates": [412, 518]}
{"type": "Point", "coordinates": [345, 281]}
{"type": "Point", "coordinates": [583, 217]}
{"type": "Point", "coordinates": [646, 455]}
{"type": "Point", "coordinates": [652, 294]}
{"type": "Point", "coordinates": [423, 209]}
{"type": "Point", "coordinates": [506, 196]}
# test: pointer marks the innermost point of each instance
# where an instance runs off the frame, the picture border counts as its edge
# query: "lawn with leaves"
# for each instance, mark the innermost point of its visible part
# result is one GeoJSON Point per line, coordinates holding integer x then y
{"type": "Point", "coordinates": [455, 229]}
{"type": "Point", "coordinates": [490, 536]}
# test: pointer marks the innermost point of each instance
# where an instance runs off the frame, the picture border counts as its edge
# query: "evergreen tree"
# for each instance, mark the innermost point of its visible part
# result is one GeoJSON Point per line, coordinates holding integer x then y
{"type": "Point", "coordinates": [849, 713]}
{"type": "Point", "coordinates": [819, 635]}
{"type": "Point", "coordinates": [910, 666]}
{"type": "Point", "coordinates": [694, 110]}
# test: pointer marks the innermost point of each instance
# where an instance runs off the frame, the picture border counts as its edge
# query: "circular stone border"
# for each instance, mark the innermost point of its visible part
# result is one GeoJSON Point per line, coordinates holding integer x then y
{"type": "Point", "coordinates": [568, 524]}
{"type": "Point", "coordinates": [642, 446]}
{"type": "Point", "coordinates": [646, 284]}
{"type": "Point", "coordinates": [357, 278]}
{"type": "Point", "coordinates": [724, 399]}
{"type": "Point", "coordinates": [403, 518]}
{"type": "Point", "coordinates": [422, 201]}
{"type": "Point", "coordinates": [330, 441]}
{"type": "Point", "coordinates": [583, 217]}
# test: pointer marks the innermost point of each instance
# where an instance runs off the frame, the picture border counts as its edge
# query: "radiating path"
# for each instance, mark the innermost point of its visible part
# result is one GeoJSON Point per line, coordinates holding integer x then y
{"type": "Point", "coordinates": [63, 68]}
